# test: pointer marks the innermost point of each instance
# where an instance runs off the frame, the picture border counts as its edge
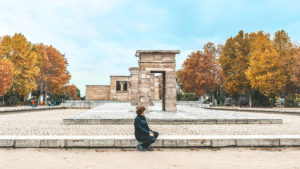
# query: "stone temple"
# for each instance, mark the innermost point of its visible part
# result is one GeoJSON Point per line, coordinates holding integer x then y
{"type": "Point", "coordinates": [143, 86]}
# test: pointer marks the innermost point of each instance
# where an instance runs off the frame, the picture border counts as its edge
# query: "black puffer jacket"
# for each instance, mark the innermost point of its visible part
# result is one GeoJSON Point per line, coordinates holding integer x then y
{"type": "Point", "coordinates": [141, 128]}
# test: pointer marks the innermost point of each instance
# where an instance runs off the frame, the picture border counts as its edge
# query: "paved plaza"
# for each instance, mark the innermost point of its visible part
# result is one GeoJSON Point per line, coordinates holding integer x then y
{"type": "Point", "coordinates": [45, 123]}
{"type": "Point", "coordinates": [43, 129]}
{"type": "Point", "coordinates": [124, 113]}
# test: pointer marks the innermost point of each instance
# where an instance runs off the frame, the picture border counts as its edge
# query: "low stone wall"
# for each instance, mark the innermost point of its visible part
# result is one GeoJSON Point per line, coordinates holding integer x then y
{"type": "Point", "coordinates": [165, 141]}
{"type": "Point", "coordinates": [26, 109]}
{"type": "Point", "coordinates": [192, 103]}
{"type": "Point", "coordinates": [85, 104]}
{"type": "Point", "coordinates": [67, 121]}
{"type": "Point", "coordinates": [257, 110]}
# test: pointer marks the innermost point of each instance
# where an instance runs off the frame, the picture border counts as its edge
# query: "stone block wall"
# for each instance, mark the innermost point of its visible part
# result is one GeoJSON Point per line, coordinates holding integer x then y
{"type": "Point", "coordinates": [134, 83]}
{"type": "Point", "coordinates": [97, 92]}
{"type": "Point", "coordinates": [157, 82]}
{"type": "Point", "coordinates": [119, 95]}
{"type": "Point", "coordinates": [145, 88]}
{"type": "Point", "coordinates": [157, 61]}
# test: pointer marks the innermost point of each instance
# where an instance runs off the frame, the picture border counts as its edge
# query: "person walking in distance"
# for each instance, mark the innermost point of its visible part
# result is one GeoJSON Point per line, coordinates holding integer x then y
{"type": "Point", "coordinates": [32, 103]}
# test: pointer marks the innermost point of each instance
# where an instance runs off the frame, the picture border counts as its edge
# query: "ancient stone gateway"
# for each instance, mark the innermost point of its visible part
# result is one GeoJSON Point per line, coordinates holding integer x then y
{"type": "Point", "coordinates": [143, 87]}
{"type": "Point", "coordinates": [150, 62]}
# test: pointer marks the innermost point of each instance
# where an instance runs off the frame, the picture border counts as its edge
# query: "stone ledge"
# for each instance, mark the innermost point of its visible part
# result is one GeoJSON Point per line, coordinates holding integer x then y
{"type": "Point", "coordinates": [165, 141]}
{"type": "Point", "coordinates": [157, 51]}
{"type": "Point", "coordinates": [70, 121]}
{"type": "Point", "coordinates": [256, 110]}
{"type": "Point", "coordinates": [30, 109]}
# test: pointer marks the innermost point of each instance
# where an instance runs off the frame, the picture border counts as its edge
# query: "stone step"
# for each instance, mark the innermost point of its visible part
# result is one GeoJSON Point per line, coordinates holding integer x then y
{"type": "Point", "coordinates": [257, 110]}
{"type": "Point", "coordinates": [164, 141]}
{"type": "Point", "coordinates": [29, 109]}
{"type": "Point", "coordinates": [69, 121]}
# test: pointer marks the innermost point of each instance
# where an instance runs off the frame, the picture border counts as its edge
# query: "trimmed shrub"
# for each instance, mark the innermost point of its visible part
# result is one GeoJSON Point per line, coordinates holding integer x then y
{"type": "Point", "coordinates": [243, 101]}
{"type": "Point", "coordinates": [179, 96]}
{"type": "Point", "coordinates": [229, 101]}
{"type": "Point", "coordinates": [13, 101]}
{"type": "Point", "coordinates": [290, 103]}
{"type": "Point", "coordinates": [188, 97]}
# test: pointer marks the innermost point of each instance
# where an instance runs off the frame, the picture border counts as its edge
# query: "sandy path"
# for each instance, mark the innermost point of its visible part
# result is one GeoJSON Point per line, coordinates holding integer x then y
{"type": "Point", "coordinates": [167, 158]}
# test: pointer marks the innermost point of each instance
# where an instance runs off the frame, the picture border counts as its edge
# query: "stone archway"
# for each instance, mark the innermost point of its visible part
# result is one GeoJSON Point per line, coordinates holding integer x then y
{"type": "Point", "coordinates": [156, 61]}
{"type": "Point", "coordinates": [163, 92]}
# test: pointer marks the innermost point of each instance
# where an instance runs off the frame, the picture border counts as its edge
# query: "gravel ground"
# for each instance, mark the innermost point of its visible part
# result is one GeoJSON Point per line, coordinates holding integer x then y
{"type": "Point", "coordinates": [274, 158]}
{"type": "Point", "coordinates": [50, 123]}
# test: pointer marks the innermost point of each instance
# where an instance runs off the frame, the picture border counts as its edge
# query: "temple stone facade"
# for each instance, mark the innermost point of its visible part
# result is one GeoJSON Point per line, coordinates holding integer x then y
{"type": "Point", "coordinates": [119, 88]}
{"type": "Point", "coordinates": [154, 79]}
{"type": "Point", "coordinates": [134, 83]}
{"type": "Point", "coordinates": [97, 92]}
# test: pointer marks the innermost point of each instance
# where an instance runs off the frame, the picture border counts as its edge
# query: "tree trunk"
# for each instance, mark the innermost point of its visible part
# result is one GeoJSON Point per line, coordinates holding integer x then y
{"type": "Point", "coordinates": [250, 100]}
{"type": "Point", "coordinates": [250, 96]}
{"type": "Point", "coordinates": [45, 98]}
{"type": "Point", "coordinates": [213, 99]}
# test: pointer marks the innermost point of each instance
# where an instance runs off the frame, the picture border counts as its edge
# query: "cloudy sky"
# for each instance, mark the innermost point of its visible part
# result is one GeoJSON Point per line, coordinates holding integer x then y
{"type": "Point", "coordinates": [99, 37]}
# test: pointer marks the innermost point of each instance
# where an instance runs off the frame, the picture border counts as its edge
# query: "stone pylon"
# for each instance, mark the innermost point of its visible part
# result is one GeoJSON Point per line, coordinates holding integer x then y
{"type": "Point", "coordinates": [157, 61]}
{"type": "Point", "coordinates": [134, 82]}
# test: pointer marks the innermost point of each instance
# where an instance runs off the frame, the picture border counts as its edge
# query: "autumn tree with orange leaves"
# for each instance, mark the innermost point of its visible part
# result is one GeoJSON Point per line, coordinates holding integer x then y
{"type": "Point", "coordinates": [24, 58]}
{"type": "Point", "coordinates": [285, 48]}
{"type": "Point", "coordinates": [29, 68]}
{"type": "Point", "coordinates": [179, 81]}
{"type": "Point", "coordinates": [54, 74]}
{"type": "Point", "coordinates": [234, 62]}
{"type": "Point", "coordinates": [6, 75]}
{"type": "Point", "coordinates": [71, 91]}
{"type": "Point", "coordinates": [266, 71]}
{"type": "Point", "coordinates": [200, 73]}
{"type": "Point", "coordinates": [295, 68]}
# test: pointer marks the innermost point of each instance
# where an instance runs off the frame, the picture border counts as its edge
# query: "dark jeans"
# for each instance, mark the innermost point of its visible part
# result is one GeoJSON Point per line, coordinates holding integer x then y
{"type": "Point", "coordinates": [149, 140]}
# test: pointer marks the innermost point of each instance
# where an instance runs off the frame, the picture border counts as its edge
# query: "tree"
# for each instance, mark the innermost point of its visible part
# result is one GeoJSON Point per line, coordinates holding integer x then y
{"type": "Point", "coordinates": [179, 80]}
{"type": "Point", "coordinates": [24, 59]}
{"type": "Point", "coordinates": [234, 61]}
{"type": "Point", "coordinates": [282, 43]}
{"type": "Point", "coordinates": [179, 84]}
{"type": "Point", "coordinates": [54, 74]}
{"type": "Point", "coordinates": [295, 67]}
{"type": "Point", "coordinates": [6, 75]}
{"type": "Point", "coordinates": [199, 74]}
{"type": "Point", "coordinates": [266, 72]}
{"type": "Point", "coordinates": [284, 48]}
{"type": "Point", "coordinates": [78, 93]}
{"type": "Point", "coordinates": [71, 91]}
{"type": "Point", "coordinates": [5, 47]}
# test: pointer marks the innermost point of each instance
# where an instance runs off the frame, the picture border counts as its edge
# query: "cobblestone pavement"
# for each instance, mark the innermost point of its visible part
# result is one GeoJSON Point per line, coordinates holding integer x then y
{"type": "Point", "coordinates": [50, 123]}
